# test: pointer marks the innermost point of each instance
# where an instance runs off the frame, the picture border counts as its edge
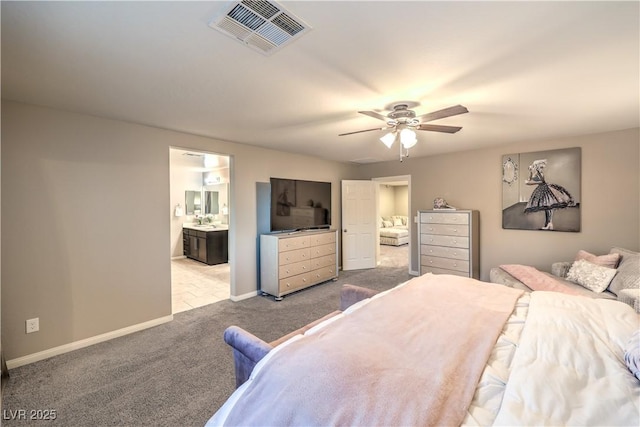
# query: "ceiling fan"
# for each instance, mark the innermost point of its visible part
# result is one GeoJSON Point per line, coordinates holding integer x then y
{"type": "Point", "coordinates": [403, 122]}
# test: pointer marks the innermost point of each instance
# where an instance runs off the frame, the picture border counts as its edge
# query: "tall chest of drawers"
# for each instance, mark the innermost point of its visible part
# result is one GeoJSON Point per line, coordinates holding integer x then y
{"type": "Point", "coordinates": [449, 242]}
{"type": "Point", "coordinates": [291, 262]}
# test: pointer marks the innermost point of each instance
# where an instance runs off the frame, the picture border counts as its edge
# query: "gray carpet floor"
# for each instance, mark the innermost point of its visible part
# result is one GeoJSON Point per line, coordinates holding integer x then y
{"type": "Point", "coordinates": [178, 373]}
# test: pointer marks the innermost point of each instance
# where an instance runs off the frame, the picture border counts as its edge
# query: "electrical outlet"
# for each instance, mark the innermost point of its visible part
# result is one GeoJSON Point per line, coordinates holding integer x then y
{"type": "Point", "coordinates": [33, 325]}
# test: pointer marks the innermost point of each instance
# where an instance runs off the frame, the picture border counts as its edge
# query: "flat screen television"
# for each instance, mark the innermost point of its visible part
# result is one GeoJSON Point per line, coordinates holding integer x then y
{"type": "Point", "coordinates": [300, 205]}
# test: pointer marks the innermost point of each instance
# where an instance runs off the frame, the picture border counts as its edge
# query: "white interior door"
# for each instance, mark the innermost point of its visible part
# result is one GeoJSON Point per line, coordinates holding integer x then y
{"type": "Point", "coordinates": [359, 207]}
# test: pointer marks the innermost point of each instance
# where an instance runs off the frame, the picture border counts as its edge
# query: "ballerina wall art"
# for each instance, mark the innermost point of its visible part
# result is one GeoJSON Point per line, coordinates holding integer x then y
{"type": "Point", "coordinates": [541, 190]}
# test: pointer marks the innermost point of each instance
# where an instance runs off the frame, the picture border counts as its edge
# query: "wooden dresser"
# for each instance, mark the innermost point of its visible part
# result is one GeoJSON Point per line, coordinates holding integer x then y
{"type": "Point", "coordinates": [293, 261]}
{"type": "Point", "coordinates": [449, 242]}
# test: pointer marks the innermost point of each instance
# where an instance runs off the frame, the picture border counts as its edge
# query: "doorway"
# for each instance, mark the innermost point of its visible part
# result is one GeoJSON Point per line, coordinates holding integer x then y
{"type": "Point", "coordinates": [199, 209]}
{"type": "Point", "coordinates": [396, 221]}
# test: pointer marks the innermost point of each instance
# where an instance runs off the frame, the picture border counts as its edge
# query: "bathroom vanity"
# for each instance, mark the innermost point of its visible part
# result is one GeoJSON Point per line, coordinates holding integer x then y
{"type": "Point", "coordinates": [206, 243]}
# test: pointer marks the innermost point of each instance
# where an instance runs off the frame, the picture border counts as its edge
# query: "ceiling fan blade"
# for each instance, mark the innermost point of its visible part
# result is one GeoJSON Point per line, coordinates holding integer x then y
{"type": "Point", "coordinates": [374, 115]}
{"type": "Point", "coordinates": [441, 114]}
{"type": "Point", "coordinates": [439, 128]}
{"type": "Point", "coordinates": [366, 130]}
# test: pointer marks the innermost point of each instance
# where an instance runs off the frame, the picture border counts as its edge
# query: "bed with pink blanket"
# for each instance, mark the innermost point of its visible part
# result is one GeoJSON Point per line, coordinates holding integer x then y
{"type": "Point", "coordinates": [447, 350]}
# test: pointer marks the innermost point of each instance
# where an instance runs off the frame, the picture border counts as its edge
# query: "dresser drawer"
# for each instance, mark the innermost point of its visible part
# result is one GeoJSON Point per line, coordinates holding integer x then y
{"type": "Point", "coordinates": [323, 274]}
{"type": "Point", "coordinates": [448, 263]}
{"type": "Point", "coordinates": [444, 218]}
{"type": "Point", "coordinates": [323, 239]}
{"type": "Point", "coordinates": [445, 252]}
{"type": "Point", "coordinates": [322, 250]}
{"type": "Point", "coordinates": [293, 243]}
{"type": "Point", "coordinates": [294, 282]}
{"type": "Point", "coordinates": [438, 240]}
{"type": "Point", "coordinates": [446, 229]}
{"type": "Point", "coordinates": [435, 270]}
{"type": "Point", "coordinates": [324, 261]}
{"type": "Point", "coordinates": [289, 270]}
{"type": "Point", "coordinates": [293, 256]}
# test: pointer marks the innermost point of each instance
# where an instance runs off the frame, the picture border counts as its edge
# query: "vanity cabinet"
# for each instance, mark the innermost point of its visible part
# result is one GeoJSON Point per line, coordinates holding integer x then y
{"type": "Point", "coordinates": [210, 247]}
{"type": "Point", "coordinates": [293, 261]}
{"type": "Point", "coordinates": [449, 242]}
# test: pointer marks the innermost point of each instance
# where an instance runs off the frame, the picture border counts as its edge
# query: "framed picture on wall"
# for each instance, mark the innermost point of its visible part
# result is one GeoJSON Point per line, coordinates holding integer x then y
{"type": "Point", "coordinates": [541, 190]}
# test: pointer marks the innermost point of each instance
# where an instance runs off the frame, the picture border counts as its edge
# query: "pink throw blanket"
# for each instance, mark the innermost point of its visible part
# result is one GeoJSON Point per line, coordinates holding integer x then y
{"type": "Point", "coordinates": [537, 280]}
{"type": "Point", "coordinates": [411, 357]}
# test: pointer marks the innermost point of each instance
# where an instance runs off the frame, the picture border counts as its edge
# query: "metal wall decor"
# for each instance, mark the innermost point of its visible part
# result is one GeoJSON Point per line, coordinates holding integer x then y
{"type": "Point", "coordinates": [541, 190]}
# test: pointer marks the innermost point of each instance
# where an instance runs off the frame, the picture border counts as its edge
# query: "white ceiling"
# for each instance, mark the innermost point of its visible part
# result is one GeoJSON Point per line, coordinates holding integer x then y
{"type": "Point", "coordinates": [526, 71]}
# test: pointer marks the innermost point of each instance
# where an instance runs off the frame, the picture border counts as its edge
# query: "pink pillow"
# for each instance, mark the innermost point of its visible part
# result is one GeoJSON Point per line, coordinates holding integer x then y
{"type": "Point", "coordinates": [609, 260]}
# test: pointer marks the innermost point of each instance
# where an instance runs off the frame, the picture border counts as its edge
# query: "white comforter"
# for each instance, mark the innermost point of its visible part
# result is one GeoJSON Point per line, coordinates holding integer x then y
{"type": "Point", "coordinates": [558, 361]}
{"type": "Point", "coordinates": [569, 368]}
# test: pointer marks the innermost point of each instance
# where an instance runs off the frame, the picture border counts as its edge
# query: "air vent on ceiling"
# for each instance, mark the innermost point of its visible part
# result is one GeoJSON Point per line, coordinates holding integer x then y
{"type": "Point", "coordinates": [262, 25]}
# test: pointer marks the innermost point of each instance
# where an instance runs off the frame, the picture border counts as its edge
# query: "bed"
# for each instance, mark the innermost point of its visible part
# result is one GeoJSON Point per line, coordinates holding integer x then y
{"type": "Point", "coordinates": [448, 350]}
{"type": "Point", "coordinates": [394, 230]}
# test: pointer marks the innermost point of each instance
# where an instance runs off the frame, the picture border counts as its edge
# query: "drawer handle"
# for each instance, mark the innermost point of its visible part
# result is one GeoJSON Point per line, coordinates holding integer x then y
{"type": "Point", "coordinates": [287, 271]}
{"type": "Point", "coordinates": [304, 280]}
{"type": "Point", "coordinates": [304, 267]}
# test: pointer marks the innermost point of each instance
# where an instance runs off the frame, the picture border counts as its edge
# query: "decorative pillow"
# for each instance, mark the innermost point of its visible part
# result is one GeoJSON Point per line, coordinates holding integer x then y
{"type": "Point", "coordinates": [591, 276]}
{"type": "Point", "coordinates": [628, 276]}
{"type": "Point", "coordinates": [610, 260]}
{"type": "Point", "coordinates": [397, 221]}
{"type": "Point", "coordinates": [632, 354]}
{"type": "Point", "coordinates": [387, 224]}
{"type": "Point", "coordinates": [631, 297]}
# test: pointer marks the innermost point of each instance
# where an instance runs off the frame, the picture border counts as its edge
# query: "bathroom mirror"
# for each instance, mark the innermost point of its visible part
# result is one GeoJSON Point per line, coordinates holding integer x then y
{"type": "Point", "coordinates": [192, 202]}
{"type": "Point", "coordinates": [211, 205]}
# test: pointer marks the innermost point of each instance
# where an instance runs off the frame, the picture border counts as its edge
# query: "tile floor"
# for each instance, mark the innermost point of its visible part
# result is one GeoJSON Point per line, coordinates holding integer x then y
{"type": "Point", "coordinates": [194, 284]}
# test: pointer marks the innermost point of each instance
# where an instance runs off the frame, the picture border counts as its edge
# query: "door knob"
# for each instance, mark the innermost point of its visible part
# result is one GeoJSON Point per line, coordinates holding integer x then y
{"type": "Point", "coordinates": [345, 230]}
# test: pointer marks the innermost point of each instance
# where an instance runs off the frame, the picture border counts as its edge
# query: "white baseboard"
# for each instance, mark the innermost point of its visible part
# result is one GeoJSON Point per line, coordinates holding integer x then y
{"type": "Point", "coordinates": [76, 345]}
{"type": "Point", "coordinates": [243, 296]}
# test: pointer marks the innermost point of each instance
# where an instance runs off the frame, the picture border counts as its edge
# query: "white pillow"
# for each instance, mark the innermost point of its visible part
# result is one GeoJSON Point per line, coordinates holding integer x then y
{"type": "Point", "coordinates": [594, 277]}
{"type": "Point", "coordinates": [387, 224]}
{"type": "Point", "coordinates": [397, 221]}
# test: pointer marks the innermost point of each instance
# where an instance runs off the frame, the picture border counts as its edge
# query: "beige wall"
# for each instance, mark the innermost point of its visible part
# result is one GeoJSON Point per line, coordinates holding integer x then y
{"type": "Point", "coordinates": [401, 199]}
{"type": "Point", "coordinates": [86, 221]}
{"type": "Point", "coordinates": [393, 200]}
{"type": "Point", "coordinates": [472, 180]}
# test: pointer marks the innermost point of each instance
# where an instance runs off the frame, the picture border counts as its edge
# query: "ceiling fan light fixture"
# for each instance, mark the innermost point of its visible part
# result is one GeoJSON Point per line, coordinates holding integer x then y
{"type": "Point", "coordinates": [389, 139]}
{"type": "Point", "coordinates": [408, 138]}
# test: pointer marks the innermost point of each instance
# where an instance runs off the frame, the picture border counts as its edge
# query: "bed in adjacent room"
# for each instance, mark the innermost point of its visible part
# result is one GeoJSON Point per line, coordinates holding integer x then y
{"type": "Point", "coordinates": [448, 350]}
